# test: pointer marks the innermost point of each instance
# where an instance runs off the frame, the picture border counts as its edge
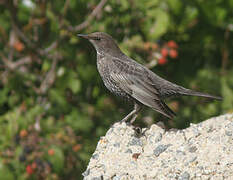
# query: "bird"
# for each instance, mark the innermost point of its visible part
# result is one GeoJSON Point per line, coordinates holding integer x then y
{"type": "Point", "coordinates": [127, 78]}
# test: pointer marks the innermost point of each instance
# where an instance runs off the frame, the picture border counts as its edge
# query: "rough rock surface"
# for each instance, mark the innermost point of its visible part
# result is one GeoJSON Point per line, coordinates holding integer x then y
{"type": "Point", "coordinates": [202, 151]}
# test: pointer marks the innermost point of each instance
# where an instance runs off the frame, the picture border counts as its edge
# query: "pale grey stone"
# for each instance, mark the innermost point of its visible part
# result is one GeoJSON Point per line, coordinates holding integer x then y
{"type": "Point", "coordinates": [184, 176]}
{"type": "Point", "coordinates": [117, 145]}
{"type": "Point", "coordinates": [202, 151]}
{"type": "Point", "coordinates": [192, 149]}
{"type": "Point", "coordinates": [129, 151]}
{"type": "Point", "coordinates": [97, 178]}
{"type": "Point", "coordinates": [135, 142]}
{"type": "Point", "coordinates": [161, 148]}
{"type": "Point", "coordinates": [95, 156]}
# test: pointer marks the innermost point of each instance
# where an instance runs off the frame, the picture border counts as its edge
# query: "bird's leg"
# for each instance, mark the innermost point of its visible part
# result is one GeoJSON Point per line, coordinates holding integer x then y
{"type": "Point", "coordinates": [128, 116]}
{"type": "Point", "coordinates": [138, 108]}
{"type": "Point", "coordinates": [134, 112]}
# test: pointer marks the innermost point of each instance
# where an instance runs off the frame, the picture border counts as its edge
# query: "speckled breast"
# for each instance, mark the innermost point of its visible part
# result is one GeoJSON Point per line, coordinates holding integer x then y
{"type": "Point", "coordinates": [104, 68]}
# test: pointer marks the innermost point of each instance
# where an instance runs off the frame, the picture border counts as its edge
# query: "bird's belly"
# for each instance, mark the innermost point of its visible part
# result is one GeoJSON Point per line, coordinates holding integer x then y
{"type": "Point", "coordinates": [111, 85]}
{"type": "Point", "coordinates": [114, 88]}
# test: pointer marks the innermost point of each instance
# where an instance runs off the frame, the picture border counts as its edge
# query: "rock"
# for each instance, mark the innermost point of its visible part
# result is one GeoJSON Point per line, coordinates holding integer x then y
{"type": "Point", "coordinates": [202, 151]}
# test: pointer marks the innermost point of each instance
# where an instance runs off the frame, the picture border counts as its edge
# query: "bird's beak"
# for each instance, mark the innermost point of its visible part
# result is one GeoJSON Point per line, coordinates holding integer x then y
{"type": "Point", "coordinates": [83, 36]}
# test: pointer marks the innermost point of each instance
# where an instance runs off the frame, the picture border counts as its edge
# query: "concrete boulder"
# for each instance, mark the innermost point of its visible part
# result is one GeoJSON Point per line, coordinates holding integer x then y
{"type": "Point", "coordinates": [202, 151]}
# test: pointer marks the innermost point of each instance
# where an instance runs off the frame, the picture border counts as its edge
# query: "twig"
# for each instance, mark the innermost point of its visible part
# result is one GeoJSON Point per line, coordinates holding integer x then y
{"type": "Point", "coordinates": [14, 22]}
{"type": "Point", "coordinates": [22, 36]}
{"type": "Point", "coordinates": [62, 16]}
{"type": "Point", "coordinates": [50, 76]}
{"type": "Point", "coordinates": [49, 49]}
{"type": "Point", "coordinates": [94, 13]}
{"type": "Point", "coordinates": [6, 62]}
{"type": "Point", "coordinates": [66, 5]}
{"type": "Point", "coordinates": [14, 65]}
{"type": "Point", "coordinates": [22, 61]}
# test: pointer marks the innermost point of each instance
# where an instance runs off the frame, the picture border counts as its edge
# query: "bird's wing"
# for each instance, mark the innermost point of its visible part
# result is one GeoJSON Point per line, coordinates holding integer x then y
{"type": "Point", "coordinates": [133, 80]}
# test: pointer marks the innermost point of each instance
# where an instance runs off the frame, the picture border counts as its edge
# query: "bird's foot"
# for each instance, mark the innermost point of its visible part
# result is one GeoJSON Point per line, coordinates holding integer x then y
{"type": "Point", "coordinates": [137, 131]}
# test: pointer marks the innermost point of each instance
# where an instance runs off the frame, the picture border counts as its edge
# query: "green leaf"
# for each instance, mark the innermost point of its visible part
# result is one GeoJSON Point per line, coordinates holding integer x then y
{"type": "Point", "coordinates": [78, 121]}
{"type": "Point", "coordinates": [57, 159]}
{"type": "Point", "coordinates": [160, 25]}
{"type": "Point", "coordinates": [5, 173]}
{"type": "Point", "coordinates": [46, 65]}
{"type": "Point", "coordinates": [175, 5]}
{"type": "Point", "coordinates": [75, 85]}
{"type": "Point", "coordinates": [57, 97]}
{"type": "Point", "coordinates": [73, 40]}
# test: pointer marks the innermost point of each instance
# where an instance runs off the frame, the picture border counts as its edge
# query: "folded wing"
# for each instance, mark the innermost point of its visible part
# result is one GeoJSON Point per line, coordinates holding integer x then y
{"type": "Point", "coordinates": [133, 81]}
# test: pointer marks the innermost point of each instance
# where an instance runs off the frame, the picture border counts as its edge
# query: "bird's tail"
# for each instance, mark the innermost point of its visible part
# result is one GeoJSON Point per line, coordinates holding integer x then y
{"type": "Point", "coordinates": [189, 92]}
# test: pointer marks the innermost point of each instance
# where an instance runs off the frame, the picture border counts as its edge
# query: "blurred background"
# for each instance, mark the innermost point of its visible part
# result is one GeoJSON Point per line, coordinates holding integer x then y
{"type": "Point", "coordinates": [53, 104]}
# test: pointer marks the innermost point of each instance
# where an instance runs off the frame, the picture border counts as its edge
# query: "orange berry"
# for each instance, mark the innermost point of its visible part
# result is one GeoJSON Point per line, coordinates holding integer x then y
{"type": "Point", "coordinates": [29, 169]}
{"type": "Point", "coordinates": [34, 165]}
{"type": "Point", "coordinates": [23, 133]}
{"type": "Point", "coordinates": [162, 61]}
{"type": "Point", "coordinates": [18, 46]}
{"type": "Point", "coordinates": [51, 152]}
{"type": "Point", "coordinates": [76, 147]}
{"type": "Point", "coordinates": [173, 53]}
{"type": "Point", "coordinates": [164, 52]}
{"type": "Point", "coordinates": [172, 44]}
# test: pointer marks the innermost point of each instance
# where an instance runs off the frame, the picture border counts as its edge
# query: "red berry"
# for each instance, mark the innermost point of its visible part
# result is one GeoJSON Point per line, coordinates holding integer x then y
{"type": "Point", "coordinates": [172, 44]}
{"type": "Point", "coordinates": [34, 165]}
{"type": "Point", "coordinates": [162, 61]}
{"type": "Point", "coordinates": [173, 53]}
{"type": "Point", "coordinates": [29, 169]}
{"type": "Point", "coordinates": [76, 147]}
{"type": "Point", "coordinates": [164, 52]}
{"type": "Point", "coordinates": [23, 133]}
{"type": "Point", "coordinates": [19, 46]}
{"type": "Point", "coordinates": [51, 152]}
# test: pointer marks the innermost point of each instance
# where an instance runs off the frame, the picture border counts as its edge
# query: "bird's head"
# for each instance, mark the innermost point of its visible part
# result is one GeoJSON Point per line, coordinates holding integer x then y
{"type": "Point", "coordinates": [103, 43]}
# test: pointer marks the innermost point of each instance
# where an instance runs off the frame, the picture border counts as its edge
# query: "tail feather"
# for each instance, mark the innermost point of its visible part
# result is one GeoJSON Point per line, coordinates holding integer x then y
{"type": "Point", "coordinates": [189, 92]}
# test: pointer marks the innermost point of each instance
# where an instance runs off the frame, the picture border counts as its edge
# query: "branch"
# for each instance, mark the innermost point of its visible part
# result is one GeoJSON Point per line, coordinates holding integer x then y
{"type": "Point", "coordinates": [22, 61]}
{"type": "Point", "coordinates": [14, 65]}
{"type": "Point", "coordinates": [14, 22]}
{"type": "Point", "coordinates": [50, 76]}
{"type": "Point", "coordinates": [22, 36]}
{"type": "Point", "coordinates": [94, 13]}
{"type": "Point", "coordinates": [48, 49]}
{"type": "Point", "coordinates": [66, 5]}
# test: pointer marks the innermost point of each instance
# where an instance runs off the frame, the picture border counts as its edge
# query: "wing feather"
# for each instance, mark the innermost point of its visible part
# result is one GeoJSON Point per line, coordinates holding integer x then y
{"type": "Point", "coordinates": [135, 83]}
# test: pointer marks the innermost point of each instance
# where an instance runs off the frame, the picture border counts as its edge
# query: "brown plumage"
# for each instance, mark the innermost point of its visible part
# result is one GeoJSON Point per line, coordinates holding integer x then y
{"type": "Point", "coordinates": [125, 77]}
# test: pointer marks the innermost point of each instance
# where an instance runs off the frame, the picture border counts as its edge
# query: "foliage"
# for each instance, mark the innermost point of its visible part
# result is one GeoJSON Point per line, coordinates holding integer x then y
{"type": "Point", "coordinates": [53, 106]}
